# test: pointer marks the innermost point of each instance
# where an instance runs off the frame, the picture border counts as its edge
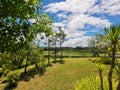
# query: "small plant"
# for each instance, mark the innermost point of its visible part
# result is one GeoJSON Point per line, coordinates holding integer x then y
{"type": "Point", "coordinates": [103, 60]}
{"type": "Point", "coordinates": [100, 67]}
{"type": "Point", "coordinates": [88, 83]}
{"type": "Point", "coordinates": [1, 72]}
{"type": "Point", "coordinates": [12, 78]}
{"type": "Point", "coordinates": [92, 83]}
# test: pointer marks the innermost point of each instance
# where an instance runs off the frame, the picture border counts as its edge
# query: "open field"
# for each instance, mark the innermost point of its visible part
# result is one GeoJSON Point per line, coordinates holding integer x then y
{"type": "Point", "coordinates": [74, 53]}
{"type": "Point", "coordinates": [60, 76]}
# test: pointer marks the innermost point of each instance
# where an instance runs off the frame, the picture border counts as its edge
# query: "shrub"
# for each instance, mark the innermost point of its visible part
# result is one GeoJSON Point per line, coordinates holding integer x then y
{"type": "Point", "coordinates": [94, 60]}
{"type": "Point", "coordinates": [1, 72]}
{"type": "Point", "coordinates": [5, 72]}
{"type": "Point", "coordinates": [103, 60]}
{"type": "Point", "coordinates": [12, 77]}
{"type": "Point", "coordinates": [91, 83]}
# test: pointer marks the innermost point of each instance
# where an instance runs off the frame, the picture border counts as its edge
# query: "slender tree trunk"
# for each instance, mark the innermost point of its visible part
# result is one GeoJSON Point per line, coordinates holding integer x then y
{"type": "Point", "coordinates": [48, 52]}
{"type": "Point", "coordinates": [37, 67]}
{"type": "Point", "coordinates": [101, 79]}
{"type": "Point", "coordinates": [112, 68]}
{"type": "Point", "coordinates": [55, 52]}
{"type": "Point", "coordinates": [61, 51]}
{"type": "Point", "coordinates": [25, 70]}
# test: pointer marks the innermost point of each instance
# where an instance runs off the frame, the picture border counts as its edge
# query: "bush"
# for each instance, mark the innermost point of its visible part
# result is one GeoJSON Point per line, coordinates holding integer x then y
{"type": "Point", "coordinates": [1, 72]}
{"type": "Point", "coordinates": [103, 60]}
{"type": "Point", "coordinates": [12, 77]}
{"type": "Point", "coordinates": [91, 83]}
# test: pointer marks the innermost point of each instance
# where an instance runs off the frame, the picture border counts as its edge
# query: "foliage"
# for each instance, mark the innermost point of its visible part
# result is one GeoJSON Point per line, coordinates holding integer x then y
{"type": "Point", "coordinates": [113, 35]}
{"type": "Point", "coordinates": [36, 57]}
{"type": "Point", "coordinates": [17, 31]}
{"type": "Point", "coordinates": [100, 66]}
{"type": "Point", "coordinates": [17, 8]}
{"type": "Point", "coordinates": [103, 60]}
{"type": "Point", "coordinates": [16, 26]}
{"type": "Point", "coordinates": [12, 77]}
{"type": "Point", "coordinates": [91, 83]}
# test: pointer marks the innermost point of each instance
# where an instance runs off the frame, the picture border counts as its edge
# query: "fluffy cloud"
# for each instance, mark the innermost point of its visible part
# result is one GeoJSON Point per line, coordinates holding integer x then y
{"type": "Point", "coordinates": [85, 6]}
{"type": "Point", "coordinates": [110, 7]}
{"type": "Point", "coordinates": [80, 41]}
{"type": "Point", "coordinates": [74, 15]}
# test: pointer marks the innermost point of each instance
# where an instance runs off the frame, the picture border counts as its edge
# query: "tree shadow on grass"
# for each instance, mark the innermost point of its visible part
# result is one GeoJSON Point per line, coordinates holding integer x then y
{"type": "Point", "coordinates": [10, 86]}
{"type": "Point", "coordinates": [26, 77]}
{"type": "Point", "coordinates": [31, 73]}
{"type": "Point", "coordinates": [48, 65]}
{"type": "Point", "coordinates": [59, 61]}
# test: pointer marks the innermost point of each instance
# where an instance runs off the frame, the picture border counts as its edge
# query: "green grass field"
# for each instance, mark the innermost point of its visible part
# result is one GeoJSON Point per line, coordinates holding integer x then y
{"type": "Point", "coordinates": [81, 53]}
{"type": "Point", "coordinates": [60, 76]}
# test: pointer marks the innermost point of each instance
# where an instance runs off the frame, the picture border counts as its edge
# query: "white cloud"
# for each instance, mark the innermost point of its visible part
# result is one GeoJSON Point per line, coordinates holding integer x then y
{"type": "Point", "coordinates": [78, 21]}
{"type": "Point", "coordinates": [32, 20]}
{"type": "Point", "coordinates": [74, 6]}
{"type": "Point", "coordinates": [110, 7]}
{"type": "Point", "coordinates": [80, 41]}
{"type": "Point", "coordinates": [62, 15]}
{"type": "Point", "coordinates": [81, 14]}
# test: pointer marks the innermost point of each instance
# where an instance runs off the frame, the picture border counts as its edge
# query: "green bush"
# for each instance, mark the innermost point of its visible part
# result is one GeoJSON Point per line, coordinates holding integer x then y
{"type": "Point", "coordinates": [1, 72]}
{"type": "Point", "coordinates": [12, 77]}
{"type": "Point", "coordinates": [5, 71]}
{"type": "Point", "coordinates": [91, 83]}
{"type": "Point", "coordinates": [103, 60]}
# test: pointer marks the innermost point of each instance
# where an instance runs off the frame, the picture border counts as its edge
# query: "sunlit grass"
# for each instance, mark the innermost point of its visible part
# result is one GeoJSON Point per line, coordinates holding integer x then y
{"type": "Point", "coordinates": [61, 76]}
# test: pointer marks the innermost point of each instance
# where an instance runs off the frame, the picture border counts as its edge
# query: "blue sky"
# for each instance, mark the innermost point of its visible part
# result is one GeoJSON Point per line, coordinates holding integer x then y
{"type": "Point", "coordinates": [81, 19]}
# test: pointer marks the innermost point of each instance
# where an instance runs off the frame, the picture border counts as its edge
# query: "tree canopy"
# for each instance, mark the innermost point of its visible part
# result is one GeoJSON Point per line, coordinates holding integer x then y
{"type": "Point", "coordinates": [16, 23]}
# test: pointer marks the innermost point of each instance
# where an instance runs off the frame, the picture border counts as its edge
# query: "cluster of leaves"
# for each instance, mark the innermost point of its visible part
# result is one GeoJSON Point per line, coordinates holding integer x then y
{"type": "Point", "coordinates": [12, 78]}
{"type": "Point", "coordinates": [103, 60]}
{"type": "Point", "coordinates": [91, 83]}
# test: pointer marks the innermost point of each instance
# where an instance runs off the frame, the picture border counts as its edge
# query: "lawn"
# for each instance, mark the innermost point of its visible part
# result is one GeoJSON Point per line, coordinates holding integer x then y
{"type": "Point", "coordinates": [59, 76]}
{"type": "Point", "coordinates": [81, 53]}
{"type": "Point", "coordinates": [69, 53]}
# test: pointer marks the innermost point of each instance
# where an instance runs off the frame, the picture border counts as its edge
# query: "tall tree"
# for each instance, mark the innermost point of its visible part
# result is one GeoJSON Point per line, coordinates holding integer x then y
{"type": "Point", "coordinates": [113, 35]}
{"type": "Point", "coordinates": [61, 39]}
{"type": "Point", "coordinates": [54, 41]}
{"type": "Point", "coordinates": [49, 42]}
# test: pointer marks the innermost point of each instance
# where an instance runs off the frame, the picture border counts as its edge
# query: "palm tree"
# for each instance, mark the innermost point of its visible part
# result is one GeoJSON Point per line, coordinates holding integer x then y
{"type": "Point", "coordinates": [113, 35]}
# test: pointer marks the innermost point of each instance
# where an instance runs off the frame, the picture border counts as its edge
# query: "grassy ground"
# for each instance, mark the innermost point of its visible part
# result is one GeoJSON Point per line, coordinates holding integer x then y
{"type": "Point", "coordinates": [81, 53]}
{"type": "Point", "coordinates": [78, 53]}
{"type": "Point", "coordinates": [59, 76]}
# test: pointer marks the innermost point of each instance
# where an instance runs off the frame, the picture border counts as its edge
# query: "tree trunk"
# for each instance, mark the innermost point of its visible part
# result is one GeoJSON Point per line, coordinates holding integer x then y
{"type": "Point", "coordinates": [55, 52]}
{"type": "Point", "coordinates": [25, 70]}
{"type": "Point", "coordinates": [48, 52]}
{"type": "Point", "coordinates": [61, 51]}
{"type": "Point", "coordinates": [37, 67]}
{"type": "Point", "coordinates": [112, 68]}
{"type": "Point", "coordinates": [101, 79]}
